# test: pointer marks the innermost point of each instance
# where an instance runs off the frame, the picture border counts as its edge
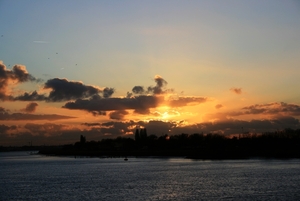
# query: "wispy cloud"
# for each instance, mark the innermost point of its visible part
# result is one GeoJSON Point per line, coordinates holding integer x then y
{"type": "Point", "coordinates": [41, 41]}
{"type": "Point", "coordinates": [218, 106]}
{"type": "Point", "coordinates": [236, 90]}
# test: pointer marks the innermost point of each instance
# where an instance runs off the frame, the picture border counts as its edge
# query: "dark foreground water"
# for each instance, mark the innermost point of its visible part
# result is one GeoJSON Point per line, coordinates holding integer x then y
{"type": "Point", "coordinates": [35, 177]}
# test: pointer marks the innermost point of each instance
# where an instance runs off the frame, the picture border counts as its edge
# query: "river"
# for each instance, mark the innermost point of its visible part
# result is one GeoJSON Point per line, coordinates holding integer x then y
{"type": "Point", "coordinates": [36, 177]}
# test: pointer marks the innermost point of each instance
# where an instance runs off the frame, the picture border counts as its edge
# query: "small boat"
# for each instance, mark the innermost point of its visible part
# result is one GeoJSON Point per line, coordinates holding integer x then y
{"type": "Point", "coordinates": [126, 159]}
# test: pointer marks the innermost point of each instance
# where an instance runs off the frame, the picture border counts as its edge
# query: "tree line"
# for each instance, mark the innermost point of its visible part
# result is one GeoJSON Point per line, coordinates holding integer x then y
{"type": "Point", "coordinates": [278, 144]}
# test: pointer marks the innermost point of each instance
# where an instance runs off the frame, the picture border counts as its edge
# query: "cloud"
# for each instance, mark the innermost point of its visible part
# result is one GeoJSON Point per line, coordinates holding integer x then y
{"type": "Point", "coordinates": [5, 115]}
{"type": "Point", "coordinates": [121, 128]}
{"type": "Point", "coordinates": [236, 90]}
{"type": "Point", "coordinates": [18, 74]}
{"type": "Point", "coordinates": [141, 103]}
{"type": "Point", "coordinates": [30, 107]}
{"type": "Point", "coordinates": [98, 100]}
{"type": "Point", "coordinates": [41, 41]}
{"type": "Point", "coordinates": [2, 109]}
{"type": "Point", "coordinates": [33, 117]}
{"type": "Point", "coordinates": [91, 124]}
{"type": "Point", "coordinates": [138, 90]}
{"type": "Point", "coordinates": [185, 101]}
{"type": "Point", "coordinates": [96, 103]}
{"type": "Point", "coordinates": [64, 90]}
{"type": "Point", "coordinates": [50, 133]}
{"type": "Point", "coordinates": [115, 129]}
{"type": "Point", "coordinates": [160, 85]}
{"type": "Point", "coordinates": [97, 113]}
{"type": "Point", "coordinates": [275, 108]}
{"type": "Point", "coordinates": [4, 128]}
{"type": "Point", "coordinates": [34, 96]}
{"type": "Point", "coordinates": [107, 92]}
{"type": "Point", "coordinates": [45, 134]}
{"type": "Point", "coordinates": [159, 127]}
{"type": "Point", "coordinates": [218, 106]}
{"type": "Point", "coordinates": [42, 129]}
{"type": "Point", "coordinates": [233, 126]}
{"type": "Point", "coordinates": [159, 88]}
{"type": "Point", "coordinates": [118, 115]}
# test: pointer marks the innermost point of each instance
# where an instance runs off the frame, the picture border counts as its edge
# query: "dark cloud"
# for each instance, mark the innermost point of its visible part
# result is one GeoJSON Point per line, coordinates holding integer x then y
{"type": "Point", "coordinates": [159, 127]}
{"type": "Point", "coordinates": [225, 127]}
{"type": "Point", "coordinates": [118, 115]}
{"type": "Point", "coordinates": [118, 128]}
{"type": "Point", "coordinates": [54, 134]}
{"type": "Point", "coordinates": [236, 90]}
{"type": "Point", "coordinates": [115, 129]}
{"type": "Point", "coordinates": [41, 129]}
{"type": "Point", "coordinates": [184, 101]}
{"type": "Point", "coordinates": [139, 103]}
{"type": "Point", "coordinates": [50, 133]}
{"type": "Point", "coordinates": [34, 96]}
{"type": "Point", "coordinates": [233, 126]}
{"type": "Point", "coordinates": [99, 101]}
{"type": "Point", "coordinates": [142, 111]}
{"type": "Point", "coordinates": [286, 121]}
{"type": "Point", "coordinates": [270, 109]}
{"type": "Point", "coordinates": [159, 88]}
{"type": "Point", "coordinates": [129, 95]}
{"type": "Point", "coordinates": [160, 85]}
{"type": "Point", "coordinates": [107, 92]}
{"type": "Point", "coordinates": [64, 90]}
{"type": "Point", "coordinates": [97, 113]}
{"type": "Point", "coordinates": [91, 124]}
{"type": "Point", "coordinates": [4, 128]}
{"type": "Point", "coordinates": [18, 74]}
{"type": "Point", "coordinates": [138, 90]}
{"type": "Point", "coordinates": [30, 107]}
{"type": "Point", "coordinates": [47, 134]}
{"type": "Point", "coordinates": [2, 110]}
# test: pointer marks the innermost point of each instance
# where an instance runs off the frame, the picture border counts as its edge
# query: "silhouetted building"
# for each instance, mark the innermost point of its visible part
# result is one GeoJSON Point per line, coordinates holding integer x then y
{"type": "Point", "coordinates": [82, 139]}
{"type": "Point", "coordinates": [137, 135]}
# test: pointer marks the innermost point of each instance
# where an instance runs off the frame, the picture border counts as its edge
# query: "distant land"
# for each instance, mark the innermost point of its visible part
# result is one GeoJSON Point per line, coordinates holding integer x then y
{"type": "Point", "coordinates": [281, 144]}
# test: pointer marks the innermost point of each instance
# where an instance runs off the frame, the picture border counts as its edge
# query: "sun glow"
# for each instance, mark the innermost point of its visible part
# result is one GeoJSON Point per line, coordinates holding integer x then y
{"type": "Point", "coordinates": [165, 115]}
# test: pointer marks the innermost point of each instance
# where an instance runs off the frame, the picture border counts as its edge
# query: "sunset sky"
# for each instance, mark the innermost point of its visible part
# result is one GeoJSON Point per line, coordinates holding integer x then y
{"type": "Point", "coordinates": [103, 68]}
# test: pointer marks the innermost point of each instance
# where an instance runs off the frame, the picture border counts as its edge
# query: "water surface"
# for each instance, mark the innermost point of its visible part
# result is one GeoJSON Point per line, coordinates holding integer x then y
{"type": "Point", "coordinates": [36, 177]}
